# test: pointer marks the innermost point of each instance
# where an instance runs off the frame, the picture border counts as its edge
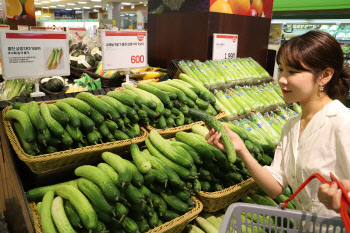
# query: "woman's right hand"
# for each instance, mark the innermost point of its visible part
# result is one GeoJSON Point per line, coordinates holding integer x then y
{"type": "Point", "coordinates": [213, 138]}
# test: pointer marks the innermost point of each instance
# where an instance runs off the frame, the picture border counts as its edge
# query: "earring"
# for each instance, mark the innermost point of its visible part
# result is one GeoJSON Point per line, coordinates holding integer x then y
{"type": "Point", "coordinates": [321, 88]}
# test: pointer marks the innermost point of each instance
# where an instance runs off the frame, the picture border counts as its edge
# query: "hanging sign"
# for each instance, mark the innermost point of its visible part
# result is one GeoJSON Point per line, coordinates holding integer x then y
{"type": "Point", "coordinates": [124, 49]}
{"type": "Point", "coordinates": [224, 46]}
{"type": "Point", "coordinates": [34, 54]}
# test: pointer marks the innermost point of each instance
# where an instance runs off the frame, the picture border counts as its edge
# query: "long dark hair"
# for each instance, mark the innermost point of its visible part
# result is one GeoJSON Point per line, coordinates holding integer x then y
{"type": "Point", "coordinates": [315, 51]}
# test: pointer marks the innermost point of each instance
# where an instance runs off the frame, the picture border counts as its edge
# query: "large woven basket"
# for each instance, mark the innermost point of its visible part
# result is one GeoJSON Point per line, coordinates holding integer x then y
{"type": "Point", "coordinates": [174, 226]}
{"type": "Point", "coordinates": [169, 133]}
{"type": "Point", "coordinates": [214, 201]}
{"type": "Point", "coordinates": [41, 163]}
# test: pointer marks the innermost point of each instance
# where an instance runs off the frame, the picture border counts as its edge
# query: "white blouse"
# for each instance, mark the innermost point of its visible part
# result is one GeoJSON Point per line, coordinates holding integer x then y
{"type": "Point", "coordinates": [324, 147]}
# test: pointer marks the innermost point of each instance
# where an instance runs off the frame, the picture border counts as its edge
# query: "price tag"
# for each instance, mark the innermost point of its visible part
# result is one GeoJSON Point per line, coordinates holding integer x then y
{"type": "Point", "coordinates": [22, 27]}
{"type": "Point", "coordinates": [99, 37]}
{"type": "Point", "coordinates": [224, 46]}
{"type": "Point", "coordinates": [34, 54]}
{"type": "Point", "coordinates": [124, 49]}
{"type": "Point", "coordinates": [40, 29]}
{"type": "Point", "coordinates": [4, 27]}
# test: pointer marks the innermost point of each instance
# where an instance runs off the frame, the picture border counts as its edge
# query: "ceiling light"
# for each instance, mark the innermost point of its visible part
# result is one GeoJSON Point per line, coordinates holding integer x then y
{"type": "Point", "coordinates": [55, 0]}
{"type": "Point", "coordinates": [37, 3]}
{"type": "Point", "coordinates": [82, 2]}
{"type": "Point", "coordinates": [95, 10]}
{"type": "Point", "coordinates": [45, 7]}
{"type": "Point", "coordinates": [53, 6]}
{"type": "Point", "coordinates": [122, 7]}
{"type": "Point", "coordinates": [145, 4]}
{"type": "Point", "coordinates": [77, 8]}
{"type": "Point", "coordinates": [121, 15]}
{"type": "Point", "coordinates": [71, 4]}
{"type": "Point", "coordinates": [97, 6]}
{"type": "Point", "coordinates": [132, 6]}
{"type": "Point", "coordinates": [96, 0]}
{"type": "Point", "coordinates": [126, 3]}
{"type": "Point", "coordinates": [44, 2]}
{"type": "Point", "coordinates": [86, 7]}
{"type": "Point", "coordinates": [68, 9]}
{"type": "Point", "coordinates": [61, 5]}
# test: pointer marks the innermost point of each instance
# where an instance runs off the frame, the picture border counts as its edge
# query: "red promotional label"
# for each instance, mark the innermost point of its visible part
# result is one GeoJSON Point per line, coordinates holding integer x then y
{"type": "Point", "coordinates": [35, 36]}
{"type": "Point", "coordinates": [234, 39]}
{"type": "Point", "coordinates": [126, 33]}
{"type": "Point", "coordinates": [141, 36]}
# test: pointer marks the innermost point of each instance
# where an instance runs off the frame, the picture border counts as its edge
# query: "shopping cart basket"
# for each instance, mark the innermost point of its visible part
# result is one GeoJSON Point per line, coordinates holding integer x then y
{"type": "Point", "coordinates": [251, 218]}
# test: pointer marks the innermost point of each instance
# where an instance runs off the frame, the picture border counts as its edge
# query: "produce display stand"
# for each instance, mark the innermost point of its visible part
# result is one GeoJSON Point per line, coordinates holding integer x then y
{"type": "Point", "coordinates": [214, 201]}
{"type": "Point", "coordinates": [174, 226]}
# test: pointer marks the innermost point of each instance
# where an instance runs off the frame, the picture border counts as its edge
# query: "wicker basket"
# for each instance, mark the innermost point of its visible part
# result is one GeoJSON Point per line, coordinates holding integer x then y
{"type": "Point", "coordinates": [108, 82]}
{"type": "Point", "coordinates": [169, 133]}
{"type": "Point", "coordinates": [77, 72]}
{"type": "Point", "coordinates": [174, 226]}
{"type": "Point", "coordinates": [214, 201]}
{"type": "Point", "coordinates": [41, 163]}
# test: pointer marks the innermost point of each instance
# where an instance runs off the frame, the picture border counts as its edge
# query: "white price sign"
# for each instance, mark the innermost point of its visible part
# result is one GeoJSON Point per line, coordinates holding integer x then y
{"type": "Point", "coordinates": [224, 46]}
{"type": "Point", "coordinates": [34, 54]}
{"type": "Point", "coordinates": [79, 32]}
{"type": "Point", "coordinates": [99, 36]}
{"type": "Point", "coordinates": [124, 49]}
{"type": "Point", "coordinates": [4, 27]}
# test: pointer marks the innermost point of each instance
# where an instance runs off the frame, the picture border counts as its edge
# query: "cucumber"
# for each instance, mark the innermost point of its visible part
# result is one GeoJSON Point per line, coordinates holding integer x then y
{"type": "Point", "coordinates": [55, 127]}
{"type": "Point", "coordinates": [135, 128]}
{"type": "Point", "coordinates": [27, 147]}
{"type": "Point", "coordinates": [100, 178]}
{"type": "Point", "coordinates": [138, 99]}
{"type": "Point", "coordinates": [60, 116]}
{"type": "Point", "coordinates": [46, 220]}
{"type": "Point", "coordinates": [214, 123]}
{"type": "Point", "coordinates": [184, 149]}
{"type": "Point", "coordinates": [95, 195]}
{"type": "Point", "coordinates": [200, 146]}
{"type": "Point", "coordinates": [151, 100]}
{"type": "Point", "coordinates": [59, 216]}
{"type": "Point", "coordinates": [170, 215]}
{"type": "Point", "coordinates": [103, 129]}
{"type": "Point", "coordinates": [134, 195]}
{"type": "Point", "coordinates": [87, 125]}
{"type": "Point", "coordinates": [161, 124]}
{"type": "Point", "coordinates": [106, 218]}
{"type": "Point", "coordinates": [111, 173]}
{"type": "Point", "coordinates": [122, 97]}
{"type": "Point", "coordinates": [150, 113]}
{"type": "Point", "coordinates": [120, 135]}
{"type": "Point", "coordinates": [131, 112]}
{"type": "Point", "coordinates": [174, 202]}
{"type": "Point", "coordinates": [205, 186]}
{"type": "Point", "coordinates": [141, 162]}
{"type": "Point", "coordinates": [129, 225]}
{"type": "Point", "coordinates": [163, 96]}
{"type": "Point", "coordinates": [173, 177]}
{"type": "Point", "coordinates": [86, 212]}
{"type": "Point", "coordinates": [164, 87]}
{"type": "Point", "coordinates": [120, 107]}
{"type": "Point", "coordinates": [238, 130]}
{"type": "Point", "coordinates": [170, 122]}
{"type": "Point", "coordinates": [190, 103]}
{"type": "Point", "coordinates": [183, 195]}
{"type": "Point", "coordinates": [120, 211]}
{"type": "Point", "coordinates": [72, 214]}
{"type": "Point", "coordinates": [115, 161]}
{"type": "Point", "coordinates": [95, 102]}
{"type": "Point", "coordinates": [35, 117]}
{"type": "Point", "coordinates": [66, 140]}
{"type": "Point", "coordinates": [92, 138]}
{"type": "Point", "coordinates": [164, 146]}
{"type": "Point", "coordinates": [24, 108]}
{"type": "Point", "coordinates": [75, 133]}
{"type": "Point", "coordinates": [38, 208]}
{"type": "Point", "coordinates": [142, 114]}
{"type": "Point", "coordinates": [167, 112]}
{"type": "Point", "coordinates": [74, 120]}
{"type": "Point", "coordinates": [96, 116]}
{"type": "Point", "coordinates": [180, 120]}
{"type": "Point", "coordinates": [181, 171]}
{"type": "Point", "coordinates": [38, 193]}
{"type": "Point", "coordinates": [143, 225]}
{"type": "Point", "coordinates": [28, 129]}
{"type": "Point", "coordinates": [282, 198]}
{"type": "Point", "coordinates": [202, 104]}
{"type": "Point", "coordinates": [191, 94]}
{"type": "Point", "coordinates": [196, 186]}
{"type": "Point", "coordinates": [153, 221]}
{"type": "Point", "coordinates": [112, 126]}
{"type": "Point", "coordinates": [137, 177]}
{"type": "Point", "coordinates": [159, 176]}
{"type": "Point", "coordinates": [78, 104]}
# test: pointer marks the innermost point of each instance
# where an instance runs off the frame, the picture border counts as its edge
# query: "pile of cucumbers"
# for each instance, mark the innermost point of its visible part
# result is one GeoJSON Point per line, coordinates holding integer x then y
{"type": "Point", "coordinates": [120, 195]}
{"type": "Point", "coordinates": [174, 98]}
{"type": "Point", "coordinates": [72, 123]}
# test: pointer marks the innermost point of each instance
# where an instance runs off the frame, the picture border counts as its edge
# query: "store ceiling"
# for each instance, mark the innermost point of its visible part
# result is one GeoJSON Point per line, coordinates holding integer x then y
{"type": "Point", "coordinates": [93, 5]}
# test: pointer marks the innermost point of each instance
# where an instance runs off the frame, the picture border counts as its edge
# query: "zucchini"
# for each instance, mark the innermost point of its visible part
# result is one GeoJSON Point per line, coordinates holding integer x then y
{"type": "Point", "coordinates": [55, 127]}
{"type": "Point", "coordinates": [60, 116]}
{"type": "Point", "coordinates": [29, 148]}
{"type": "Point", "coordinates": [141, 162]}
{"type": "Point", "coordinates": [46, 219]}
{"type": "Point", "coordinates": [78, 104]}
{"type": "Point", "coordinates": [95, 195]}
{"type": "Point", "coordinates": [86, 212]}
{"type": "Point", "coordinates": [117, 163]}
{"type": "Point", "coordinates": [214, 123]}
{"type": "Point", "coordinates": [164, 146]}
{"type": "Point", "coordinates": [74, 119]}
{"type": "Point", "coordinates": [29, 133]}
{"type": "Point", "coordinates": [96, 102]}
{"type": "Point", "coordinates": [96, 175]}
{"type": "Point", "coordinates": [59, 216]}
{"type": "Point", "coordinates": [120, 107]}
{"type": "Point", "coordinates": [35, 117]}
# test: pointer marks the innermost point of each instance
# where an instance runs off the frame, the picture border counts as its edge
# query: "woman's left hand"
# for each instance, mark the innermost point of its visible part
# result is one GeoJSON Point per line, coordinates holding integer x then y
{"type": "Point", "coordinates": [330, 196]}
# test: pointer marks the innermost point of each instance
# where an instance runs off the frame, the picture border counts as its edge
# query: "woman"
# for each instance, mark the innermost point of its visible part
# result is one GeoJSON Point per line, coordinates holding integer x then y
{"type": "Point", "coordinates": [317, 140]}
